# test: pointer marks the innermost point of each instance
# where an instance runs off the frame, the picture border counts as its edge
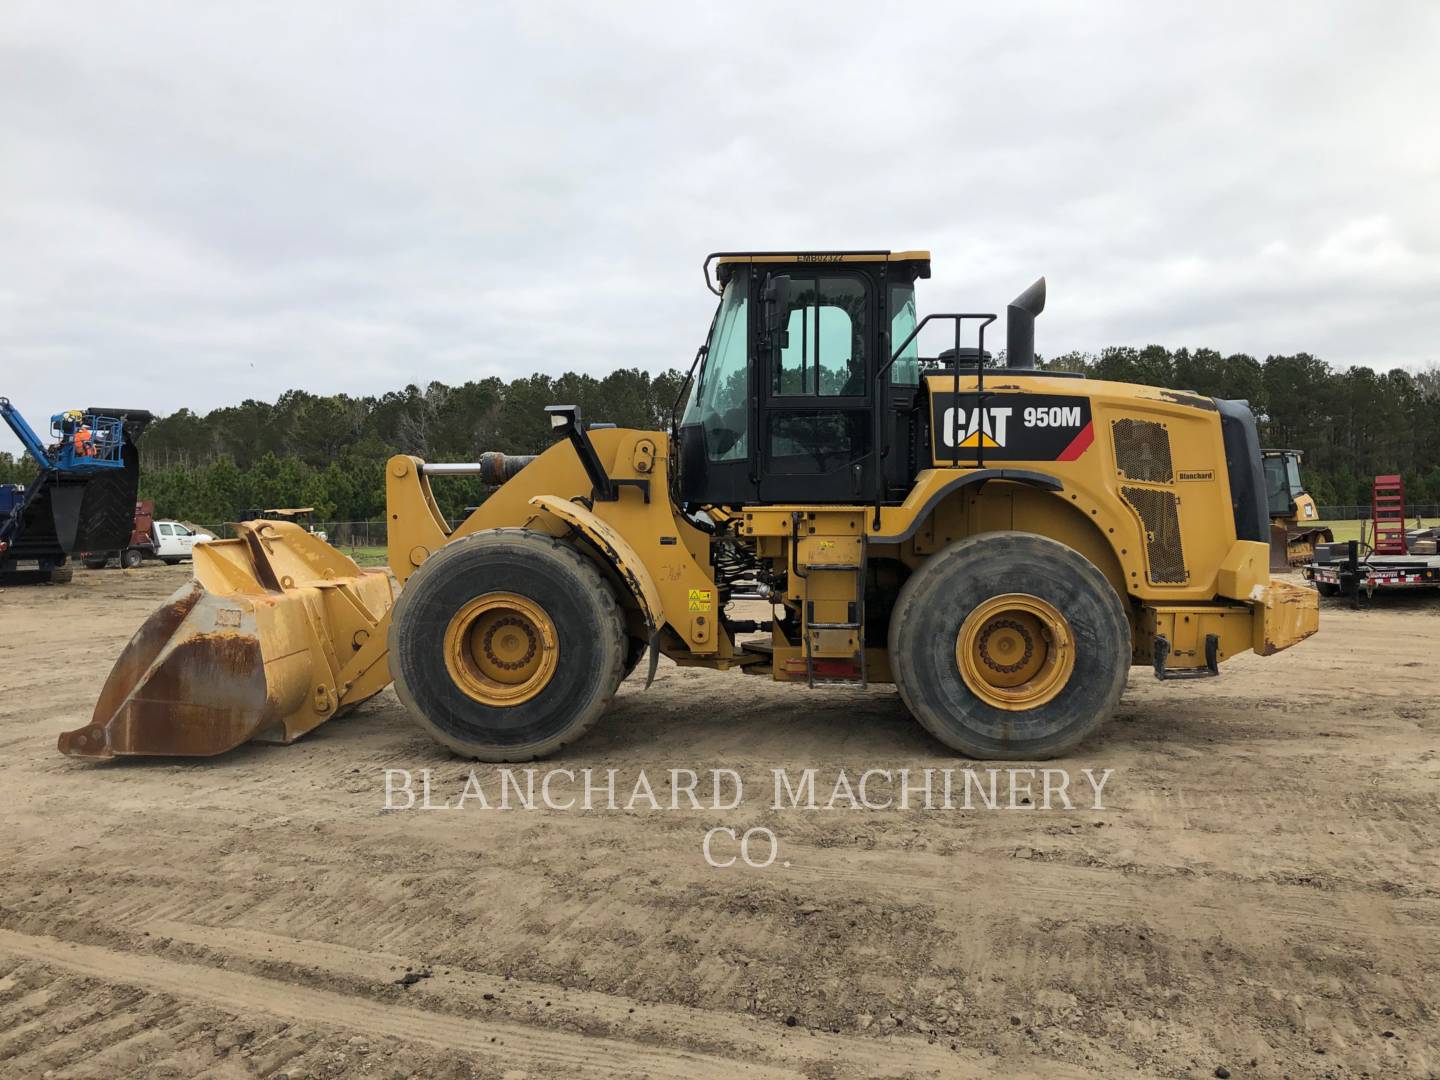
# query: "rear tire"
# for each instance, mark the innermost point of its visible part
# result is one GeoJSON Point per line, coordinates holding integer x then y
{"type": "Point", "coordinates": [934, 628]}
{"type": "Point", "coordinates": [96, 563]}
{"type": "Point", "coordinates": [451, 673]}
{"type": "Point", "coordinates": [130, 558]}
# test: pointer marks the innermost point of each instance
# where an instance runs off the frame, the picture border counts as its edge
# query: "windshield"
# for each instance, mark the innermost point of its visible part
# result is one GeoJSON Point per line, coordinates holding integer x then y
{"type": "Point", "coordinates": [721, 400]}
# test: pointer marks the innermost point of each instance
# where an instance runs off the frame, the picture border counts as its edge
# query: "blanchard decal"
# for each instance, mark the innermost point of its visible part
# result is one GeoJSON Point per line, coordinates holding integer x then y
{"type": "Point", "coordinates": [1016, 427]}
{"type": "Point", "coordinates": [1197, 474]}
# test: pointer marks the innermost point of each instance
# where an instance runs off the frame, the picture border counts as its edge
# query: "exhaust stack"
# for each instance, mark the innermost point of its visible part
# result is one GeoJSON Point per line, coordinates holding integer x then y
{"type": "Point", "coordinates": [1020, 326]}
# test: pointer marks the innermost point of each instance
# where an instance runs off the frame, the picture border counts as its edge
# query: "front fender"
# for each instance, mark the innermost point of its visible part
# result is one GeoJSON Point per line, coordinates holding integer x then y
{"type": "Point", "coordinates": [615, 548]}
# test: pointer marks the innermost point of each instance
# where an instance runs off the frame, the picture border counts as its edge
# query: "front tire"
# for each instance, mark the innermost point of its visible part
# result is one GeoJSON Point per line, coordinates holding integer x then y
{"type": "Point", "coordinates": [635, 651]}
{"type": "Point", "coordinates": [507, 645]}
{"type": "Point", "coordinates": [1009, 646]}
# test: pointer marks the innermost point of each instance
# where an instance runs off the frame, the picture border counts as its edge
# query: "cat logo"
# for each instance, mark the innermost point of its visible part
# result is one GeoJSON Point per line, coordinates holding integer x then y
{"type": "Point", "coordinates": [1009, 426]}
{"type": "Point", "coordinates": [979, 427]}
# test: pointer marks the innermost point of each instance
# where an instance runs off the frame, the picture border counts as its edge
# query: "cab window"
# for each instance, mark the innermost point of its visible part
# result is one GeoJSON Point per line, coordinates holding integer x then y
{"type": "Point", "coordinates": [816, 443]}
{"type": "Point", "coordinates": [823, 353]}
{"type": "Point", "coordinates": [1292, 474]}
{"type": "Point", "coordinates": [906, 369]}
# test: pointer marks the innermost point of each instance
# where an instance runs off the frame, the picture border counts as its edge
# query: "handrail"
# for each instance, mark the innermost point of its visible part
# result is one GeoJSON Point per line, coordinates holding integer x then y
{"type": "Point", "coordinates": [880, 450]}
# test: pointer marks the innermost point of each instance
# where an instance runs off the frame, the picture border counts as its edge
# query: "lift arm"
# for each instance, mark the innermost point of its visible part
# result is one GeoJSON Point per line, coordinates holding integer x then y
{"type": "Point", "coordinates": [25, 433]}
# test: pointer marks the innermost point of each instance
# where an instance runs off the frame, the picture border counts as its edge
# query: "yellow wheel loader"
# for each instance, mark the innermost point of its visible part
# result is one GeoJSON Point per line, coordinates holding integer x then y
{"type": "Point", "coordinates": [1001, 543]}
{"type": "Point", "coordinates": [1293, 513]}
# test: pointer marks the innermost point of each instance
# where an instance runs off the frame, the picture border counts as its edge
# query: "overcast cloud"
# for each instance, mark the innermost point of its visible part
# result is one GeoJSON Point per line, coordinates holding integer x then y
{"type": "Point", "coordinates": [201, 203]}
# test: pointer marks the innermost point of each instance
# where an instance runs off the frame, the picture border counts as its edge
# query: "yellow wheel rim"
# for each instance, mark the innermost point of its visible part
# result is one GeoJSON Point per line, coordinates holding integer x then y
{"type": "Point", "coordinates": [501, 649]}
{"type": "Point", "coordinates": [1015, 651]}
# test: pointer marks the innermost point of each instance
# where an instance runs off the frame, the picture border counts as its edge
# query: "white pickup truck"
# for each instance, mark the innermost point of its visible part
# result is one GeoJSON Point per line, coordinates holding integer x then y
{"type": "Point", "coordinates": [173, 542]}
{"type": "Point", "coordinates": [169, 541]}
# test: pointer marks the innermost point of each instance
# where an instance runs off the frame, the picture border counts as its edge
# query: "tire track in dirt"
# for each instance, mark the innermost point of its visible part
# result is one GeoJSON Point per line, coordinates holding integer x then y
{"type": "Point", "coordinates": [242, 994]}
{"type": "Point", "coordinates": [1263, 883]}
{"type": "Point", "coordinates": [1036, 884]}
{"type": "Point", "coordinates": [734, 1045]}
{"type": "Point", "coordinates": [658, 1023]}
{"type": "Point", "coordinates": [1184, 905]}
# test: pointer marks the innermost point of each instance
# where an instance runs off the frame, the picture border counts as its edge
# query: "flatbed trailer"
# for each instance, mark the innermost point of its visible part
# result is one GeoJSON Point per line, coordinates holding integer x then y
{"type": "Point", "coordinates": [1353, 574]}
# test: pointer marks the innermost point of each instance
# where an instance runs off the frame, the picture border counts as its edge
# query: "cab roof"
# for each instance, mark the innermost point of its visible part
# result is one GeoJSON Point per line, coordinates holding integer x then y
{"type": "Point", "coordinates": [919, 260]}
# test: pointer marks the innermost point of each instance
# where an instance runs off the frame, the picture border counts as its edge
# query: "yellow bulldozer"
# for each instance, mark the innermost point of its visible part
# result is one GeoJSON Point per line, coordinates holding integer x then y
{"type": "Point", "coordinates": [1293, 513]}
{"type": "Point", "coordinates": [1001, 543]}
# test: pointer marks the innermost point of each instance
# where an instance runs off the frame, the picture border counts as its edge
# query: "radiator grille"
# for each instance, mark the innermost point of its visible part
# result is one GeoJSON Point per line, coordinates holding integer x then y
{"type": "Point", "coordinates": [1142, 451]}
{"type": "Point", "coordinates": [1160, 517]}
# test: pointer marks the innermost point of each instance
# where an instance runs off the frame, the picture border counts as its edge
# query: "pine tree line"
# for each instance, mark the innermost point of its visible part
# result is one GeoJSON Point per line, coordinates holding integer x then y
{"type": "Point", "coordinates": [329, 451]}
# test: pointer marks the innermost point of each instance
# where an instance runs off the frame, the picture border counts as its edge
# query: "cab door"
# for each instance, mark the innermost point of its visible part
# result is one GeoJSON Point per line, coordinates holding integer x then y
{"type": "Point", "coordinates": [815, 440]}
{"type": "Point", "coordinates": [184, 541]}
{"type": "Point", "coordinates": [165, 540]}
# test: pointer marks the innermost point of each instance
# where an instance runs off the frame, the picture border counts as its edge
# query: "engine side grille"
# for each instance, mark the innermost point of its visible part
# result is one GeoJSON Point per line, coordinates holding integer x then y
{"type": "Point", "coordinates": [1142, 451]}
{"type": "Point", "coordinates": [1160, 517]}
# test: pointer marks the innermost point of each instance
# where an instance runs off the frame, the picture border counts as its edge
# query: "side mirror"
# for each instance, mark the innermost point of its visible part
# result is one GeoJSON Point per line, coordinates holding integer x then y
{"type": "Point", "coordinates": [777, 309]}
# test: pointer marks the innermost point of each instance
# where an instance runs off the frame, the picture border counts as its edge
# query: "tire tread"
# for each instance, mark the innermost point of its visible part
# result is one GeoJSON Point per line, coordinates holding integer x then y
{"type": "Point", "coordinates": [585, 569]}
{"type": "Point", "coordinates": [918, 590]}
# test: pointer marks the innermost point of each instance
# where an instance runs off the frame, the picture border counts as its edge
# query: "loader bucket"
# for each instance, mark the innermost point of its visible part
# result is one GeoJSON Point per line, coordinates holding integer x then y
{"type": "Point", "coordinates": [276, 633]}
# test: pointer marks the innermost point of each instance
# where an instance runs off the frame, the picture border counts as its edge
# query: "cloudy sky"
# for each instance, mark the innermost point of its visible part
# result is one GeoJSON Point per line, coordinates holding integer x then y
{"type": "Point", "coordinates": [201, 203]}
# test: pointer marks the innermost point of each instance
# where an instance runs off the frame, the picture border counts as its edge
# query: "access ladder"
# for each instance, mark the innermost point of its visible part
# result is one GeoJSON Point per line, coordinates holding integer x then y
{"type": "Point", "coordinates": [833, 647]}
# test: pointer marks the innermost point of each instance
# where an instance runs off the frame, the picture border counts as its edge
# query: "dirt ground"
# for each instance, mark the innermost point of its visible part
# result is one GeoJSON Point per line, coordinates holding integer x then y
{"type": "Point", "coordinates": [1260, 893]}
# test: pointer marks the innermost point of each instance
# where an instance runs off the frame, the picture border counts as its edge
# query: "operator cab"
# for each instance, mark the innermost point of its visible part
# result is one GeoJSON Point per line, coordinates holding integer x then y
{"type": "Point", "coordinates": [784, 404]}
{"type": "Point", "coordinates": [1283, 487]}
